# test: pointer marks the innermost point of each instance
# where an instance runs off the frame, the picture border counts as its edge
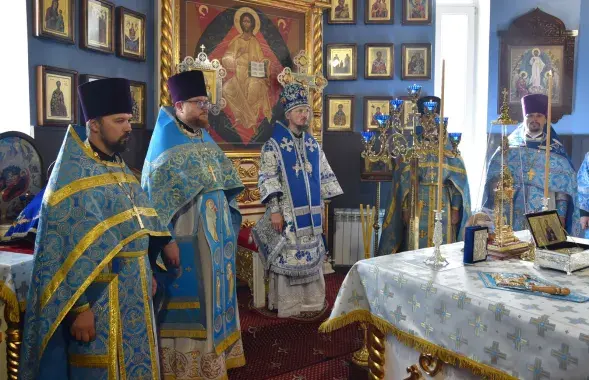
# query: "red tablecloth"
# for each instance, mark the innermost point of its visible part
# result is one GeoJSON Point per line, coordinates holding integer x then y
{"type": "Point", "coordinates": [22, 247]}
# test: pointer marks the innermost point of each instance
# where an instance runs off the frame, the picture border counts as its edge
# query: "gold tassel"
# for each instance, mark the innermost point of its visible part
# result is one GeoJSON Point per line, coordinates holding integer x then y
{"type": "Point", "coordinates": [11, 302]}
{"type": "Point", "coordinates": [419, 344]}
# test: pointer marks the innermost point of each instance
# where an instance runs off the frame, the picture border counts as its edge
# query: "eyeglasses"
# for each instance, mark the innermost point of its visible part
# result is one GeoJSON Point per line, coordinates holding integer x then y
{"type": "Point", "coordinates": [203, 104]}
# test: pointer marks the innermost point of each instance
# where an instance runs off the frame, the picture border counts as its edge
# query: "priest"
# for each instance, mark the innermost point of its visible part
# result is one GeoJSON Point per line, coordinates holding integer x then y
{"type": "Point", "coordinates": [525, 159]}
{"type": "Point", "coordinates": [294, 179]}
{"type": "Point", "coordinates": [89, 311]}
{"type": "Point", "coordinates": [194, 187]}
{"type": "Point", "coordinates": [583, 179]}
{"type": "Point", "coordinates": [455, 201]}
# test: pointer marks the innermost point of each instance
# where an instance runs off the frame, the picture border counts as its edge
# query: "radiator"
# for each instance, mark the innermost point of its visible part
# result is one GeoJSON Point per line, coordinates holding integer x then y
{"type": "Point", "coordinates": [348, 245]}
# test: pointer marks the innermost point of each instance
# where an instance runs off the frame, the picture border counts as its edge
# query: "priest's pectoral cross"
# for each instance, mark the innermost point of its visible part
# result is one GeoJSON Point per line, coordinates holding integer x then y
{"type": "Point", "coordinates": [297, 168]}
{"type": "Point", "coordinates": [138, 216]}
{"type": "Point", "coordinates": [212, 173]}
{"type": "Point", "coordinates": [135, 210]}
{"type": "Point", "coordinates": [531, 174]}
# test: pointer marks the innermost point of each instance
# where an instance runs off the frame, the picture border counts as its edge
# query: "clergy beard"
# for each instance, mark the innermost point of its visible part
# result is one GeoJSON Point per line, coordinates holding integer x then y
{"type": "Point", "coordinates": [298, 129]}
{"type": "Point", "coordinates": [120, 146]}
{"type": "Point", "coordinates": [196, 122]}
{"type": "Point", "coordinates": [534, 129]}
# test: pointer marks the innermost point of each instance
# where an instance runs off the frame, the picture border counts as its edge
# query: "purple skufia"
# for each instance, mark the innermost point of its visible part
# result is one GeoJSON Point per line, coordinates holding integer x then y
{"type": "Point", "coordinates": [187, 85]}
{"type": "Point", "coordinates": [535, 103]}
{"type": "Point", "coordinates": [105, 97]}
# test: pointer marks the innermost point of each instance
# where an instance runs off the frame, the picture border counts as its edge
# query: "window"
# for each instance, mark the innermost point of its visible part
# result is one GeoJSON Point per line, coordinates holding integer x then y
{"type": "Point", "coordinates": [460, 42]}
{"type": "Point", "coordinates": [455, 45]}
{"type": "Point", "coordinates": [15, 94]}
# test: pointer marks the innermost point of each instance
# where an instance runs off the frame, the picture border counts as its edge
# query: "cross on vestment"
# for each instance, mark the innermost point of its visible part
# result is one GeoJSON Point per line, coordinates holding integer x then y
{"type": "Point", "coordinates": [135, 209]}
{"type": "Point", "coordinates": [138, 216]}
{"type": "Point", "coordinates": [297, 168]}
{"type": "Point", "coordinates": [212, 172]}
{"type": "Point", "coordinates": [287, 144]}
{"type": "Point", "coordinates": [531, 174]}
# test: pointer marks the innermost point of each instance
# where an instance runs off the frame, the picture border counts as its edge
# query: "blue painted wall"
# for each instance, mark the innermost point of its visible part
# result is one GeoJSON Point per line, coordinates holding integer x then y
{"type": "Point", "coordinates": [574, 14]}
{"type": "Point", "coordinates": [52, 53]}
{"type": "Point", "coordinates": [343, 149]}
{"type": "Point", "coordinates": [376, 33]}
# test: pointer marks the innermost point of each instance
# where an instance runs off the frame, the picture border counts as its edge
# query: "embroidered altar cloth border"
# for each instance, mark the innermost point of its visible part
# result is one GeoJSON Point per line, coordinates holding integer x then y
{"type": "Point", "coordinates": [15, 278]}
{"type": "Point", "coordinates": [518, 335]}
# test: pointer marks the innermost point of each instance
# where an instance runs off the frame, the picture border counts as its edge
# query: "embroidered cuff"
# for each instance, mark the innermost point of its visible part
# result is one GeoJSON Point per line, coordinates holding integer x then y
{"type": "Point", "coordinates": [273, 204]}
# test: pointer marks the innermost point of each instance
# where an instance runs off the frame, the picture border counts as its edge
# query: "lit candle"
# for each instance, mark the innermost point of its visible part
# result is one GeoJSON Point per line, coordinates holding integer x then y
{"type": "Point", "coordinates": [441, 140]}
{"type": "Point", "coordinates": [548, 138]}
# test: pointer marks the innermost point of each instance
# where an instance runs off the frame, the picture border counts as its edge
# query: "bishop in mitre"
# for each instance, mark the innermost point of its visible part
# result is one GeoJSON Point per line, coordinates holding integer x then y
{"type": "Point", "coordinates": [294, 179]}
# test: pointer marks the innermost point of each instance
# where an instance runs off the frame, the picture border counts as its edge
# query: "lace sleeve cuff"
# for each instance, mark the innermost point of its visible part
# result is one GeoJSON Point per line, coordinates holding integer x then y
{"type": "Point", "coordinates": [274, 204]}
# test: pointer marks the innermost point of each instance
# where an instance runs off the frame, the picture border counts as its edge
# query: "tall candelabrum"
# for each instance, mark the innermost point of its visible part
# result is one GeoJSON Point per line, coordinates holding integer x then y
{"type": "Point", "coordinates": [505, 241]}
{"type": "Point", "coordinates": [392, 141]}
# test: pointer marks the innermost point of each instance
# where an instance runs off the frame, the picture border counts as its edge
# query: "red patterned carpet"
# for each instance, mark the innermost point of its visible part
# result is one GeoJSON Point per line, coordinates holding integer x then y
{"type": "Point", "coordinates": [287, 349]}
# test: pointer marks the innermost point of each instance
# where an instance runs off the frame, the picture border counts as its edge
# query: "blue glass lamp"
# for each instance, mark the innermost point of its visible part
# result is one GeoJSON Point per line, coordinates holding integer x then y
{"type": "Point", "coordinates": [396, 104]}
{"type": "Point", "coordinates": [367, 136]}
{"type": "Point", "coordinates": [414, 89]}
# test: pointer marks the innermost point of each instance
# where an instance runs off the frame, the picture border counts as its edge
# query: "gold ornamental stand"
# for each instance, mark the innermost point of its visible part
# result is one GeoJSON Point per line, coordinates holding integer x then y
{"type": "Point", "coordinates": [13, 343]}
{"type": "Point", "coordinates": [361, 356]}
{"type": "Point", "coordinates": [505, 242]}
{"type": "Point", "coordinates": [372, 353]}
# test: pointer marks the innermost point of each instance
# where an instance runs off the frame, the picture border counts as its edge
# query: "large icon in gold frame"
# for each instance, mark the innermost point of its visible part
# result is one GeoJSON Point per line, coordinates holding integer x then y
{"type": "Point", "coordinates": [297, 25]}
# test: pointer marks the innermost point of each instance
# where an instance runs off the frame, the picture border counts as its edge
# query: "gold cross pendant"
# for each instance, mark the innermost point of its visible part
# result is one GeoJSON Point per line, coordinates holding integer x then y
{"type": "Point", "coordinates": [138, 215]}
{"type": "Point", "coordinates": [212, 172]}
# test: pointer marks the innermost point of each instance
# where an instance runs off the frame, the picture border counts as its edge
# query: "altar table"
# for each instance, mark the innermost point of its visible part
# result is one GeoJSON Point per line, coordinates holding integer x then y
{"type": "Point", "coordinates": [450, 314]}
{"type": "Point", "coordinates": [15, 277]}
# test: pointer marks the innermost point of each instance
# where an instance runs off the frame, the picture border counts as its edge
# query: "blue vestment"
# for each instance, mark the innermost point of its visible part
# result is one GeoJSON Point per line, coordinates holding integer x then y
{"type": "Point", "coordinates": [194, 186]}
{"type": "Point", "coordinates": [25, 225]}
{"type": "Point", "coordinates": [294, 179]}
{"type": "Point", "coordinates": [296, 171]}
{"type": "Point", "coordinates": [91, 252]}
{"type": "Point", "coordinates": [583, 180]}
{"type": "Point", "coordinates": [525, 159]}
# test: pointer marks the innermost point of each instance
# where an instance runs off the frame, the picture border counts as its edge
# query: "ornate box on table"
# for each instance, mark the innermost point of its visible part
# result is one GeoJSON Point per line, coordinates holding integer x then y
{"type": "Point", "coordinates": [554, 248]}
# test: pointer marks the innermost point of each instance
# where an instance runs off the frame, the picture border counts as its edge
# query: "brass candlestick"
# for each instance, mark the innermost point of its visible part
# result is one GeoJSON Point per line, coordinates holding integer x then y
{"type": "Point", "coordinates": [367, 218]}
{"type": "Point", "coordinates": [505, 240]}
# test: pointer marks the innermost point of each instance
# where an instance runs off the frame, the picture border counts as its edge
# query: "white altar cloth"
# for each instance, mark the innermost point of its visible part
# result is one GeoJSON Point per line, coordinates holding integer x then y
{"type": "Point", "coordinates": [510, 334]}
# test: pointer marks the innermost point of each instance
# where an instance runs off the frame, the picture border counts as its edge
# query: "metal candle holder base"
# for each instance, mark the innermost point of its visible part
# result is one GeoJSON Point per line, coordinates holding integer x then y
{"type": "Point", "coordinates": [437, 261]}
{"type": "Point", "coordinates": [360, 357]}
{"type": "Point", "coordinates": [545, 204]}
